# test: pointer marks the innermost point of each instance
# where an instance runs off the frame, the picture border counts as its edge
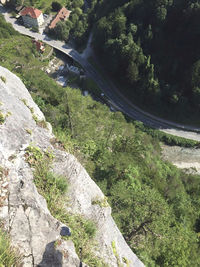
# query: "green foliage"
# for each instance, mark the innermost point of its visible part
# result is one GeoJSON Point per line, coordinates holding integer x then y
{"type": "Point", "coordinates": [2, 118]}
{"type": "Point", "coordinates": [89, 85]}
{"type": "Point", "coordinates": [116, 254]}
{"type": "Point", "coordinates": [129, 33]}
{"type": "Point", "coordinates": [61, 31]}
{"type": "Point", "coordinates": [56, 6]}
{"type": "Point", "coordinates": [155, 205]}
{"type": "Point", "coordinates": [40, 4]}
{"type": "Point", "coordinates": [53, 188]}
{"type": "Point", "coordinates": [29, 131]}
{"type": "Point", "coordinates": [126, 262]}
{"type": "Point", "coordinates": [58, 181]}
{"type": "Point", "coordinates": [78, 3]}
{"type": "Point", "coordinates": [3, 79]}
{"type": "Point", "coordinates": [101, 202]}
{"type": "Point", "coordinates": [40, 123]}
{"type": "Point", "coordinates": [76, 27]}
{"type": "Point", "coordinates": [35, 29]}
{"type": "Point", "coordinates": [6, 30]}
{"type": "Point", "coordinates": [9, 256]}
{"type": "Point", "coordinates": [126, 164]}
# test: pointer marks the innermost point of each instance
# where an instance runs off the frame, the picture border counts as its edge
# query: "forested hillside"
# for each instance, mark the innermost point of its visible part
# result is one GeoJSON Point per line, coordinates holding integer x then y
{"type": "Point", "coordinates": [155, 205]}
{"type": "Point", "coordinates": [152, 49]}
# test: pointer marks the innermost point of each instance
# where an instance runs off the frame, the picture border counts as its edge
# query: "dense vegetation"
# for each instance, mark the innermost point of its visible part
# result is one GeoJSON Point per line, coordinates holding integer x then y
{"type": "Point", "coordinates": [155, 205]}
{"type": "Point", "coordinates": [45, 5]}
{"type": "Point", "coordinates": [152, 49]}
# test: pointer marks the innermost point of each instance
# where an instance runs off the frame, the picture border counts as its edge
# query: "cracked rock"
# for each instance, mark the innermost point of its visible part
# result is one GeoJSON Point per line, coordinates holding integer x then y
{"type": "Point", "coordinates": [33, 230]}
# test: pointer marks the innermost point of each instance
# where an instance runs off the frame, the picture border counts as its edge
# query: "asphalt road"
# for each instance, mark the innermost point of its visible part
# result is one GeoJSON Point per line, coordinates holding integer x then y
{"type": "Point", "coordinates": [117, 99]}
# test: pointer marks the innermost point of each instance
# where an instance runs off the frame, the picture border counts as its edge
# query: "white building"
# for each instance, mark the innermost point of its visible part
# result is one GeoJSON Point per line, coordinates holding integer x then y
{"type": "Point", "coordinates": [32, 17]}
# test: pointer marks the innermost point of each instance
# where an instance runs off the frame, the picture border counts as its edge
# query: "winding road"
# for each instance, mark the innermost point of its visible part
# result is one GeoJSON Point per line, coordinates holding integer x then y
{"type": "Point", "coordinates": [109, 89]}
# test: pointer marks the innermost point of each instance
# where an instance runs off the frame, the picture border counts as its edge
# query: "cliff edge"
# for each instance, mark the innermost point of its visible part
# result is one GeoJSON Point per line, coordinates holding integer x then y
{"type": "Point", "coordinates": [24, 211]}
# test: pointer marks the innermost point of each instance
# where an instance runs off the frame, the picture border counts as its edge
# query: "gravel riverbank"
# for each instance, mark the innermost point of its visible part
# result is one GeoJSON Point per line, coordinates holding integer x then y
{"type": "Point", "coordinates": [184, 158]}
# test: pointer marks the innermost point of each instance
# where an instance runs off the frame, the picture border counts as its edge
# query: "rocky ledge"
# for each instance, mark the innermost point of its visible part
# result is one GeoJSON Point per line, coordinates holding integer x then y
{"type": "Point", "coordinates": [24, 211]}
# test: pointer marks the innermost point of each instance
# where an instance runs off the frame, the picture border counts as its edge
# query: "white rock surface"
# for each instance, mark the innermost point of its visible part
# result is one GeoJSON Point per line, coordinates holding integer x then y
{"type": "Point", "coordinates": [32, 228]}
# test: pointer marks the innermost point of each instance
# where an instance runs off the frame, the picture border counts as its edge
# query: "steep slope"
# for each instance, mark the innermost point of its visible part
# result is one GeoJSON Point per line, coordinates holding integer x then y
{"type": "Point", "coordinates": [24, 211]}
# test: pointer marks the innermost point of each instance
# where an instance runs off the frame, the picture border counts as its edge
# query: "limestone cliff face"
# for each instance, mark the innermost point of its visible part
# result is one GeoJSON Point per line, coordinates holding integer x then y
{"type": "Point", "coordinates": [23, 211]}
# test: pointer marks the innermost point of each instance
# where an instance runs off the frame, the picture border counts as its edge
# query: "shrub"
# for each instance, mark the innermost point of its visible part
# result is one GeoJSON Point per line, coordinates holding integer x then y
{"type": "Point", "coordinates": [56, 6]}
{"type": "Point", "coordinates": [9, 256]}
{"type": "Point", "coordinates": [53, 187]}
{"type": "Point", "coordinates": [35, 29]}
{"type": "Point", "coordinates": [2, 118]}
{"type": "Point", "coordinates": [58, 181]}
{"type": "Point", "coordinates": [47, 10]}
{"type": "Point", "coordinates": [3, 79]}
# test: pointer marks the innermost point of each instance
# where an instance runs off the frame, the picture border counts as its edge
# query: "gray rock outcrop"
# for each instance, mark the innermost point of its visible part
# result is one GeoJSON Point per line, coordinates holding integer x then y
{"type": "Point", "coordinates": [24, 211]}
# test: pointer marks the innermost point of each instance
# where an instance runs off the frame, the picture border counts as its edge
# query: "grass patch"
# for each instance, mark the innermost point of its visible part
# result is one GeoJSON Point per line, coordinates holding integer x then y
{"type": "Point", "coordinates": [40, 123]}
{"type": "Point", "coordinates": [116, 254]}
{"type": "Point", "coordinates": [2, 118]}
{"type": "Point", "coordinates": [53, 188]}
{"type": "Point", "coordinates": [29, 131]}
{"type": "Point", "coordinates": [47, 51]}
{"type": "Point", "coordinates": [103, 203]}
{"type": "Point", "coordinates": [3, 79]}
{"type": "Point", "coordinates": [126, 261]}
{"type": "Point", "coordinates": [9, 257]}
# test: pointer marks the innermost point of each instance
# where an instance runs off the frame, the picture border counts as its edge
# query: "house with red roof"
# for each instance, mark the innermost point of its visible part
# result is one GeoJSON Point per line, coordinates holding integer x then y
{"type": "Point", "coordinates": [32, 17]}
{"type": "Point", "coordinates": [62, 15]}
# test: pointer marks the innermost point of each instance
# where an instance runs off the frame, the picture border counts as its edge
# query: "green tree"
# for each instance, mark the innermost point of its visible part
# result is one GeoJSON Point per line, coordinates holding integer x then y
{"type": "Point", "coordinates": [61, 31]}
{"type": "Point", "coordinates": [56, 6]}
{"type": "Point", "coordinates": [77, 3]}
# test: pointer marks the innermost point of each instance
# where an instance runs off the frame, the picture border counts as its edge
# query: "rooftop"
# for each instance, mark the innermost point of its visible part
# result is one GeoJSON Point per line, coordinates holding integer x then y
{"type": "Point", "coordinates": [31, 11]}
{"type": "Point", "coordinates": [63, 14]}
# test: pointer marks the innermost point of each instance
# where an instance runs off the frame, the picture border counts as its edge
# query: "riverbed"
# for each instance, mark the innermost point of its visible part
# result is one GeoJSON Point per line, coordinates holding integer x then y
{"type": "Point", "coordinates": [184, 158]}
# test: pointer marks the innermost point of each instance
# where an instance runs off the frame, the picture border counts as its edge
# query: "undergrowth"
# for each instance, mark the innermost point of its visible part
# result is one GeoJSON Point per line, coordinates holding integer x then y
{"type": "Point", "coordinates": [53, 188]}
{"type": "Point", "coordinates": [9, 257]}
